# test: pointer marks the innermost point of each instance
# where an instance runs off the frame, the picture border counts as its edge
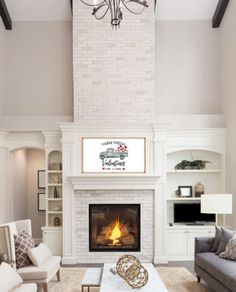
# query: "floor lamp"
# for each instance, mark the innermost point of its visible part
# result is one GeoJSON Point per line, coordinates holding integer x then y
{"type": "Point", "coordinates": [216, 204]}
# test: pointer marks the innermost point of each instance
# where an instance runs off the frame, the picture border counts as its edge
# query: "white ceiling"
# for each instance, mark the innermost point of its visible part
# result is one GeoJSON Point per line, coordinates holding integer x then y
{"type": "Point", "coordinates": [185, 9]}
{"type": "Point", "coordinates": [59, 10]}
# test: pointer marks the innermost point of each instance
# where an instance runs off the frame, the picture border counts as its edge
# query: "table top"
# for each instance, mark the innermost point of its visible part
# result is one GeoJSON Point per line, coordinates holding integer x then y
{"type": "Point", "coordinates": [114, 283]}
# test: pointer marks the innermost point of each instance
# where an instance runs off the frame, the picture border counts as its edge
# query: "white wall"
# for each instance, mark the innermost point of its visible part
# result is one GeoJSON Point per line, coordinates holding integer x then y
{"type": "Point", "coordinates": [6, 203]}
{"type": "Point", "coordinates": [36, 161]}
{"type": "Point", "coordinates": [25, 164]}
{"type": "Point", "coordinates": [187, 68]}
{"type": "Point", "coordinates": [20, 180]}
{"type": "Point", "coordinates": [2, 41]}
{"type": "Point", "coordinates": [228, 95]}
{"type": "Point", "coordinates": [38, 69]}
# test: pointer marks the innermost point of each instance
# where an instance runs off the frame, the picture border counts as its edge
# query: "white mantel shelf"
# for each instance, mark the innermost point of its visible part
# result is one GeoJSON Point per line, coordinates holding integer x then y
{"type": "Point", "coordinates": [125, 182]}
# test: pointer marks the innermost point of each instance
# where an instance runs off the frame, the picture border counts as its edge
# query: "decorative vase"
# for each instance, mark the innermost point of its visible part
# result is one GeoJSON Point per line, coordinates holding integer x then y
{"type": "Point", "coordinates": [56, 221]}
{"type": "Point", "coordinates": [199, 189]}
{"type": "Point", "coordinates": [55, 193]}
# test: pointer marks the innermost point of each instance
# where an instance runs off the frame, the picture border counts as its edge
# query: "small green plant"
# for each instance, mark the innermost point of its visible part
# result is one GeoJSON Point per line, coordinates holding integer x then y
{"type": "Point", "coordinates": [194, 164]}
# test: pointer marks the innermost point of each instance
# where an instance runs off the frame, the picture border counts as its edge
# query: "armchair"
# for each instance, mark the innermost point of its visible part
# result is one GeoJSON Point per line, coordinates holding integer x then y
{"type": "Point", "coordinates": [31, 274]}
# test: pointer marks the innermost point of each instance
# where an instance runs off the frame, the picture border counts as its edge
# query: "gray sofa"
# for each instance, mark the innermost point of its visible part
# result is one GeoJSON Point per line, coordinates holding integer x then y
{"type": "Point", "coordinates": [218, 273]}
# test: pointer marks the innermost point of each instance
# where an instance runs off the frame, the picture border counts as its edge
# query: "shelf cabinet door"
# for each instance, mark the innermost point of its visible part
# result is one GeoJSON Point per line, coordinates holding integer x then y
{"type": "Point", "coordinates": [176, 242]}
{"type": "Point", "coordinates": [53, 239]}
{"type": "Point", "coordinates": [191, 239]}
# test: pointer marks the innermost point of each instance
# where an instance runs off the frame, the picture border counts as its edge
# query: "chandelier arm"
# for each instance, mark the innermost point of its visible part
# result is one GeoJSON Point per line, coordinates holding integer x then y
{"type": "Point", "coordinates": [99, 18]}
{"type": "Point", "coordinates": [144, 3]}
{"type": "Point", "coordinates": [119, 6]}
{"type": "Point", "coordinates": [109, 4]}
{"type": "Point", "coordinates": [131, 10]}
{"type": "Point", "coordinates": [93, 5]}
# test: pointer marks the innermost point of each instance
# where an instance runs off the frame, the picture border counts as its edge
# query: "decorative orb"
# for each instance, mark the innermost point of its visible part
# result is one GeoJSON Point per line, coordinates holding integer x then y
{"type": "Point", "coordinates": [136, 276]}
{"type": "Point", "coordinates": [124, 263]}
{"type": "Point", "coordinates": [130, 269]}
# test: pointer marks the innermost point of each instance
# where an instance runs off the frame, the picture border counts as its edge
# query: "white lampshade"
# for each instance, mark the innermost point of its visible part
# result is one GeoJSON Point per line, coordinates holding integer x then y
{"type": "Point", "coordinates": [216, 204]}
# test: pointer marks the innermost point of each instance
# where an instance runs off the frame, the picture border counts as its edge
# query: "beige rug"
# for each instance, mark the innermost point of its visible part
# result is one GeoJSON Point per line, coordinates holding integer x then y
{"type": "Point", "coordinates": [175, 279]}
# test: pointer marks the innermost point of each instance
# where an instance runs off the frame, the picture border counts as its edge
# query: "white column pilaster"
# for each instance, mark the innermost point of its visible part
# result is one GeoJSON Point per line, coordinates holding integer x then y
{"type": "Point", "coordinates": [6, 204]}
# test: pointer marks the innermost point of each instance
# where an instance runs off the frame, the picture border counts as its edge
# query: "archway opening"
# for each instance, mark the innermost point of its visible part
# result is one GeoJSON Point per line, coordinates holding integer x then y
{"type": "Point", "coordinates": [28, 170]}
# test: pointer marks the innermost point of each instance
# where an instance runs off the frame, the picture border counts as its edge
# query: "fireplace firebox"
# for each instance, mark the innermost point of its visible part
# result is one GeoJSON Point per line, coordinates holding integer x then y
{"type": "Point", "coordinates": [114, 227]}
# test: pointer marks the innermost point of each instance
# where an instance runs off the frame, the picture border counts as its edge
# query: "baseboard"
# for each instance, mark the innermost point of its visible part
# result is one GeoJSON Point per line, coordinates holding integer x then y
{"type": "Point", "coordinates": [160, 260]}
{"type": "Point", "coordinates": [67, 260]}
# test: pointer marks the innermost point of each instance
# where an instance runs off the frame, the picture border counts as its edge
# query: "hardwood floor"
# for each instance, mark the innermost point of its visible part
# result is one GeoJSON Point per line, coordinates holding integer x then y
{"type": "Point", "coordinates": [187, 264]}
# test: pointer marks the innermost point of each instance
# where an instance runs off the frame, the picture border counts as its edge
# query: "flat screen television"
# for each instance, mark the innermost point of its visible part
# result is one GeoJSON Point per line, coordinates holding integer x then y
{"type": "Point", "coordinates": [190, 213]}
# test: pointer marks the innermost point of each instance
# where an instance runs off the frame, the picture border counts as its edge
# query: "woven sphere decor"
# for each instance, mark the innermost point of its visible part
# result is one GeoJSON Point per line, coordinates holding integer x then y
{"type": "Point", "coordinates": [130, 269]}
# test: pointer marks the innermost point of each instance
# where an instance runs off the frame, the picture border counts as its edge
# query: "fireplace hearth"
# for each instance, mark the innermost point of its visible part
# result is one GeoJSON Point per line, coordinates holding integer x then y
{"type": "Point", "coordinates": [114, 227]}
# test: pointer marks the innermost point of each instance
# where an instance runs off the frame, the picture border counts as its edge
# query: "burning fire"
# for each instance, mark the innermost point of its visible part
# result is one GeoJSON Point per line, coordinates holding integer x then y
{"type": "Point", "coordinates": [116, 232]}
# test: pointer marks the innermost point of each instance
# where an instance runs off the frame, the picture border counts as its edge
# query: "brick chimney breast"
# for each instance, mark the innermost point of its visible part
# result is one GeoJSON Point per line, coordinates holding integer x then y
{"type": "Point", "coordinates": [114, 70]}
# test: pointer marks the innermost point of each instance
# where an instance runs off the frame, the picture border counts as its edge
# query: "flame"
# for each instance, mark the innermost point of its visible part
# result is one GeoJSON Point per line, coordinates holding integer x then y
{"type": "Point", "coordinates": [116, 232]}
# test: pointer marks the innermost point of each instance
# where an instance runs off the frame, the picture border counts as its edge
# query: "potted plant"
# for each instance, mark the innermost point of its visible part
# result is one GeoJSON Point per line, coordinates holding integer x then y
{"type": "Point", "coordinates": [194, 164]}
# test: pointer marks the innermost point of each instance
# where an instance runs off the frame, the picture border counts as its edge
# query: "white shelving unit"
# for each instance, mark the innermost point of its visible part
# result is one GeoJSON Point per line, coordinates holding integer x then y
{"type": "Point", "coordinates": [54, 189]}
{"type": "Point", "coordinates": [53, 231]}
{"type": "Point", "coordinates": [194, 171]}
{"type": "Point", "coordinates": [180, 237]}
{"type": "Point", "coordinates": [183, 199]}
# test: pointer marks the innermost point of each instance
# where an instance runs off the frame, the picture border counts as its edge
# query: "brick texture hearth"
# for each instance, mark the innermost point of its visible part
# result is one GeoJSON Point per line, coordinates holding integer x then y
{"type": "Point", "coordinates": [85, 197]}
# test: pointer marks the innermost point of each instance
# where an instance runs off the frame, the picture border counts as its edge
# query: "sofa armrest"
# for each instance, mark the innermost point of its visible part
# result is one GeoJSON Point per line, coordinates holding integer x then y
{"type": "Point", "coordinates": [203, 244]}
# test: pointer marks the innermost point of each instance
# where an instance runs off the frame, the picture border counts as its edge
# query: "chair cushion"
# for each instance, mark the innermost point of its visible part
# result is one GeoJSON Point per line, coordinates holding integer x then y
{"type": "Point", "coordinates": [9, 278]}
{"type": "Point", "coordinates": [38, 255]}
{"type": "Point", "coordinates": [23, 243]}
{"type": "Point", "coordinates": [26, 288]}
{"type": "Point", "coordinates": [48, 268]}
{"type": "Point", "coordinates": [221, 269]}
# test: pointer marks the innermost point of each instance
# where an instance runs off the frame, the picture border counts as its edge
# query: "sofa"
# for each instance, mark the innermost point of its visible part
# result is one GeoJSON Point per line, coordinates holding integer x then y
{"type": "Point", "coordinates": [217, 272]}
{"type": "Point", "coordinates": [11, 281]}
{"type": "Point", "coordinates": [40, 275]}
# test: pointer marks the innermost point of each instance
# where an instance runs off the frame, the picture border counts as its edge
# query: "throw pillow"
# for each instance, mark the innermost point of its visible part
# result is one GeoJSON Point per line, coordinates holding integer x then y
{"type": "Point", "coordinates": [216, 242]}
{"type": "Point", "coordinates": [9, 278]}
{"type": "Point", "coordinates": [230, 250]}
{"type": "Point", "coordinates": [225, 237]}
{"type": "Point", "coordinates": [23, 243]}
{"type": "Point", "coordinates": [38, 255]}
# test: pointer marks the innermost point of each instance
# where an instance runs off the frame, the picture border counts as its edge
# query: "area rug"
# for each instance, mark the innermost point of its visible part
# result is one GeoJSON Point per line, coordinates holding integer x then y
{"type": "Point", "coordinates": [176, 279]}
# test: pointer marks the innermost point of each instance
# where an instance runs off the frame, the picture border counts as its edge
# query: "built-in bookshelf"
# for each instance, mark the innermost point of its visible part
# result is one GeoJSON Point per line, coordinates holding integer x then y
{"type": "Point", "coordinates": [180, 237]}
{"type": "Point", "coordinates": [54, 189]}
{"type": "Point", "coordinates": [53, 231]}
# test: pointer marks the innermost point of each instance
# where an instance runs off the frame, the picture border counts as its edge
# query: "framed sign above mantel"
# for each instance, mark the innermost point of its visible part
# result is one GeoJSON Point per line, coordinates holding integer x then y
{"type": "Point", "coordinates": [113, 155]}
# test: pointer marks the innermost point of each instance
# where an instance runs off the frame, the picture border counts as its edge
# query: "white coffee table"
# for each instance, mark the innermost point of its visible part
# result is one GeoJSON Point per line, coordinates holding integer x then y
{"type": "Point", "coordinates": [114, 283]}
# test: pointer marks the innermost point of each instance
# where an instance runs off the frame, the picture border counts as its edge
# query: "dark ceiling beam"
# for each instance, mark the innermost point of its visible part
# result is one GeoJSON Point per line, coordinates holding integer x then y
{"type": "Point", "coordinates": [5, 15]}
{"type": "Point", "coordinates": [71, 5]}
{"type": "Point", "coordinates": [219, 13]}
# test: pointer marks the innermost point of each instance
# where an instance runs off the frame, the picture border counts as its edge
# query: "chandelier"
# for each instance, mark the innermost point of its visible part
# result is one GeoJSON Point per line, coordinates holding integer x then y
{"type": "Point", "coordinates": [100, 9]}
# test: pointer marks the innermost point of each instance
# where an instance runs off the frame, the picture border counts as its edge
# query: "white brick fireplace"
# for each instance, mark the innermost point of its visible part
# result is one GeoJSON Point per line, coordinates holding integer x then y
{"type": "Point", "coordinates": [81, 189]}
{"type": "Point", "coordinates": [114, 96]}
{"type": "Point", "coordinates": [146, 199]}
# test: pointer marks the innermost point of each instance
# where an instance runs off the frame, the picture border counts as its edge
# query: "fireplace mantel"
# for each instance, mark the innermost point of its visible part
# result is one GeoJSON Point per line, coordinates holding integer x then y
{"type": "Point", "coordinates": [125, 182]}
